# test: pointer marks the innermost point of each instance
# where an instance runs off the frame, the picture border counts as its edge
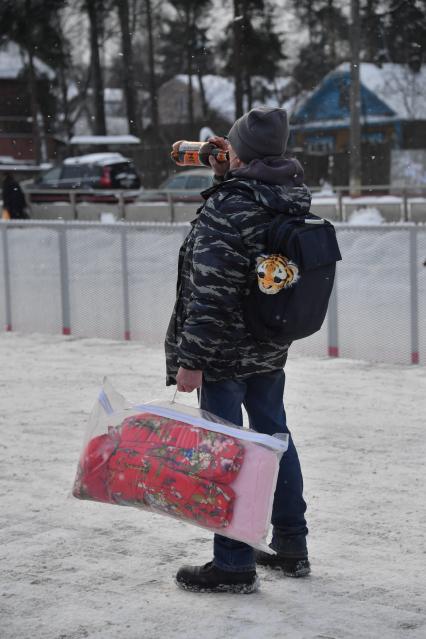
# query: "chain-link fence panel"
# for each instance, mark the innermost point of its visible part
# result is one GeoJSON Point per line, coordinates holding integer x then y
{"type": "Point", "coordinates": [421, 275]}
{"type": "Point", "coordinates": [152, 266]}
{"type": "Point", "coordinates": [118, 281]}
{"type": "Point", "coordinates": [95, 281]}
{"type": "Point", "coordinates": [3, 266]}
{"type": "Point", "coordinates": [34, 279]}
{"type": "Point", "coordinates": [373, 292]}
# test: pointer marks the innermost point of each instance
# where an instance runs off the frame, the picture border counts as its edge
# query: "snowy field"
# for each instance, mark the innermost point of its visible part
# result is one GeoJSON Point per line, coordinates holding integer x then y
{"type": "Point", "coordinates": [73, 569]}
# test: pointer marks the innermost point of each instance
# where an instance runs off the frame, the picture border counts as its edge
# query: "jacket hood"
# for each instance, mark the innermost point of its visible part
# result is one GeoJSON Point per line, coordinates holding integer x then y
{"type": "Point", "coordinates": [273, 170]}
{"type": "Point", "coordinates": [276, 183]}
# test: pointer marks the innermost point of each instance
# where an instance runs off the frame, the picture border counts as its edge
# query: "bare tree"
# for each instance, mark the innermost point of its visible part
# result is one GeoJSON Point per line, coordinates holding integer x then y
{"type": "Point", "coordinates": [33, 87]}
{"type": "Point", "coordinates": [93, 12]}
{"type": "Point", "coordinates": [128, 67]}
{"type": "Point", "coordinates": [182, 44]}
{"type": "Point", "coordinates": [152, 77]}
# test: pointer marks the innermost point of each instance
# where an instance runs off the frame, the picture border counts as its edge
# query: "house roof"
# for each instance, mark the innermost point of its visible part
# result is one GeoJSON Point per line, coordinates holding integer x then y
{"type": "Point", "coordinates": [397, 85]}
{"type": "Point", "coordinates": [13, 61]}
{"type": "Point", "coordinates": [389, 93]}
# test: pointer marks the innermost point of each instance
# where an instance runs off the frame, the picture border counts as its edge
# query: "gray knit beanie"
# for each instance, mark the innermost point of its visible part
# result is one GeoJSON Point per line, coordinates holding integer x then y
{"type": "Point", "coordinates": [260, 133]}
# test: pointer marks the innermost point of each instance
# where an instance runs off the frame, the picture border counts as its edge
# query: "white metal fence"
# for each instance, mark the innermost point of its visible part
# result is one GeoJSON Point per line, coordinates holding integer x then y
{"type": "Point", "coordinates": [118, 281]}
{"type": "Point", "coordinates": [404, 204]}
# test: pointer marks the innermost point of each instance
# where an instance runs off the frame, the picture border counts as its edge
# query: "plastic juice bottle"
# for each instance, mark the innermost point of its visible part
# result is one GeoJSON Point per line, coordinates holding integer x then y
{"type": "Point", "coordinates": [186, 153]}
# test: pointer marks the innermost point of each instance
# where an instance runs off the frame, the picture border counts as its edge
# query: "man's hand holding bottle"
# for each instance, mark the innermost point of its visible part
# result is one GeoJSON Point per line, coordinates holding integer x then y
{"type": "Point", "coordinates": [219, 168]}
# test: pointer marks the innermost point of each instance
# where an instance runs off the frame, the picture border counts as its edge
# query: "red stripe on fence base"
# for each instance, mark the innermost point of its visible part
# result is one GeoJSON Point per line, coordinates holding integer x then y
{"type": "Point", "coordinates": [66, 331]}
{"type": "Point", "coordinates": [415, 358]}
{"type": "Point", "coordinates": [333, 351]}
{"type": "Point", "coordinates": [127, 336]}
{"type": "Point", "coordinates": [8, 327]}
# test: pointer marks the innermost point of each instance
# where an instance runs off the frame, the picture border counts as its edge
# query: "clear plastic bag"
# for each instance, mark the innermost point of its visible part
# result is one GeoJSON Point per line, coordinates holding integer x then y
{"type": "Point", "coordinates": [182, 462]}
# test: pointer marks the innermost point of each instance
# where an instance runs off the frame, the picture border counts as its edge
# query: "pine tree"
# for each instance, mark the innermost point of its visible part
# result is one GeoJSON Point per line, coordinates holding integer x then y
{"type": "Point", "coordinates": [38, 38]}
{"type": "Point", "coordinates": [128, 67]}
{"type": "Point", "coordinates": [306, 10]}
{"type": "Point", "coordinates": [185, 47]}
{"type": "Point", "coordinates": [328, 40]}
{"type": "Point", "coordinates": [251, 48]}
{"type": "Point", "coordinates": [152, 74]}
{"type": "Point", "coordinates": [372, 32]}
{"type": "Point", "coordinates": [406, 32]}
{"type": "Point", "coordinates": [94, 11]}
{"type": "Point", "coordinates": [262, 39]}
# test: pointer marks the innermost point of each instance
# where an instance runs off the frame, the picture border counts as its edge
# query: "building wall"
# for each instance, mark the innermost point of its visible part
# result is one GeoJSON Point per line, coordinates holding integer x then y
{"type": "Point", "coordinates": [16, 123]}
{"type": "Point", "coordinates": [17, 146]}
{"type": "Point", "coordinates": [14, 98]}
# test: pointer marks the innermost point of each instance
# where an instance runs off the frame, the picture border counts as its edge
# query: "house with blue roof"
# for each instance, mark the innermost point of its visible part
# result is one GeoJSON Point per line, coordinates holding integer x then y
{"type": "Point", "coordinates": [393, 113]}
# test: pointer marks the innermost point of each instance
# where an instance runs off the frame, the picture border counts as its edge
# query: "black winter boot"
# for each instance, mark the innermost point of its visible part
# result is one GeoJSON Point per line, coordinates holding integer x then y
{"type": "Point", "coordinates": [290, 567]}
{"type": "Point", "coordinates": [291, 558]}
{"type": "Point", "coordinates": [209, 578]}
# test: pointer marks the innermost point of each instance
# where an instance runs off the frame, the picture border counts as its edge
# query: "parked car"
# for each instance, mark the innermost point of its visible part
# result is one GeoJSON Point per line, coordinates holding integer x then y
{"type": "Point", "coordinates": [193, 180]}
{"type": "Point", "coordinates": [95, 171]}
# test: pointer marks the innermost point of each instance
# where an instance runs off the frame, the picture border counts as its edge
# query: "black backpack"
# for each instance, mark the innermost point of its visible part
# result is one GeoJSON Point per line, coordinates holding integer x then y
{"type": "Point", "coordinates": [291, 286]}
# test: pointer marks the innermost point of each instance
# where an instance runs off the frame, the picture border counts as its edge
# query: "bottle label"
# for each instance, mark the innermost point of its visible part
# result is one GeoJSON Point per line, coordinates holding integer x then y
{"type": "Point", "coordinates": [189, 153]}
{"type": "Point", "coordinates": [189, 157]}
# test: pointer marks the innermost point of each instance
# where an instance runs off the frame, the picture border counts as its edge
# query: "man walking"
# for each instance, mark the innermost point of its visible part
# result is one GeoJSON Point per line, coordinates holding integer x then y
{"type": "Point", "coordinates": [209, 348]}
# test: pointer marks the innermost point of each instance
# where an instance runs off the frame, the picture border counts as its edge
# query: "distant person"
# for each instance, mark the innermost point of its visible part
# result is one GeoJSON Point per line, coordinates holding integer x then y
{"type": "Point", "coordinates": [14, 204]}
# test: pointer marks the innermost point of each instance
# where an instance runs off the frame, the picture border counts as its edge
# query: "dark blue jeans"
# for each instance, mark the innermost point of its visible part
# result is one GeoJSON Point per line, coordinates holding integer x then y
{"type": "Point", "coordinates": [262, 397]}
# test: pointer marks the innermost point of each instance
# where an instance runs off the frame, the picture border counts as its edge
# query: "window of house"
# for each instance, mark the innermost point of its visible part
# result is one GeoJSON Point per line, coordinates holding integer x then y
{"type": "Point", "coordinates": [373, 137]}
{"type": "Point", "coordinates": [320, 144]}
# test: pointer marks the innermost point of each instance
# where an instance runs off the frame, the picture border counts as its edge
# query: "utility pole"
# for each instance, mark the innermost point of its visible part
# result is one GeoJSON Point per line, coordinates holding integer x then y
{"type": "Point", "coordinates": [355, 106]}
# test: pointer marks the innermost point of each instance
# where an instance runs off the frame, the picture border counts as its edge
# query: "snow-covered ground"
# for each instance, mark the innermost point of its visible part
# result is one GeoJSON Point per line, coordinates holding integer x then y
{"type": "Point", "coordinates": [73, 569]}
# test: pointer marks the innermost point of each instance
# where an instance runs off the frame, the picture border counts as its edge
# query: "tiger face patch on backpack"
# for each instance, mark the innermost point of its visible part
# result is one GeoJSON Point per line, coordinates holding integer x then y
{"type": "Point", "coordinates": [275, 272]}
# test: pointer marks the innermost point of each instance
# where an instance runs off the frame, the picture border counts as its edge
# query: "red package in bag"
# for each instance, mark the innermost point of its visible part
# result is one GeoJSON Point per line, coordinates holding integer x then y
{"type": "Point", "coordinates": [92, 475]}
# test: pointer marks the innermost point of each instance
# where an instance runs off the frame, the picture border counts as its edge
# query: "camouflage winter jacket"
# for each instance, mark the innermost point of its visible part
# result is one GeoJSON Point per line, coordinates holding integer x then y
{"type": "Point", "coordinates": [207, 329]}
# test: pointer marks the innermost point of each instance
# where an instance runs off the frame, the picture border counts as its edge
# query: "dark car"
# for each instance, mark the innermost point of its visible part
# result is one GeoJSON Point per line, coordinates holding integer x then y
{"type": "Point", "coordinates": [95, 171]}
